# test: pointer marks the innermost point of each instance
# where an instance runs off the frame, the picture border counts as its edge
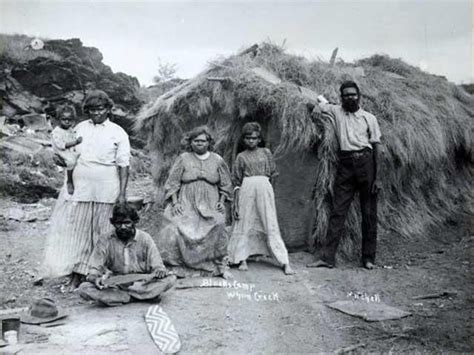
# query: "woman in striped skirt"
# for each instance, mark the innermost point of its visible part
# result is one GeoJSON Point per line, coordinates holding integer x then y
{"type": "Point", "coordinates": [100, 180]}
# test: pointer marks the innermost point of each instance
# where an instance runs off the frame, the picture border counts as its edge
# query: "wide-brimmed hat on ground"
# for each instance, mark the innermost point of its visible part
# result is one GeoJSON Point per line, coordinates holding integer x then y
{"type": "Point", "coordinates": [43, 310]}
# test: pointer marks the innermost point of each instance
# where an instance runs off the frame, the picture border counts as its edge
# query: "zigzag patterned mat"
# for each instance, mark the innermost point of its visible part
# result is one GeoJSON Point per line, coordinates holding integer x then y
{"type": "Point", "coordinates": [162, 331]}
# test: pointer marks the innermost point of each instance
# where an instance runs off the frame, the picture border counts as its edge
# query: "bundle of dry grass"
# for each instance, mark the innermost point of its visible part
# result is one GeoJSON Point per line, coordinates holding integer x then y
{"type": "Point", "coordinates": [426, 122]}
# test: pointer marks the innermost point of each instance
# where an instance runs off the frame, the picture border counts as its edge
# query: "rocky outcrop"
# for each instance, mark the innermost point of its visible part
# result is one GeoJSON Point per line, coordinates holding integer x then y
{"type": "Point", "coordinates": [80, 68]}
{"type": "Point", "coordinates": [44, 81]}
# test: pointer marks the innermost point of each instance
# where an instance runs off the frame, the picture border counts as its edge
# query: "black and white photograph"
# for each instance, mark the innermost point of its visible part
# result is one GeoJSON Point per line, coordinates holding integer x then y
{"type": "Point", "coordinates": [236, 176]}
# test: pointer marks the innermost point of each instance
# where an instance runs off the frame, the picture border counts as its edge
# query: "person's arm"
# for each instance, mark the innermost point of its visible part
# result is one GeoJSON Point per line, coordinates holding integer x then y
{"type": "Point", "coordinates": [123, 177]}
{"type": "Point", "coordinates": [376, 186]}
{"type": "Point", "coordinates": [273, 173]}
{"type": "Point", "coordinates": [222, 198]}
{"type": "Point", "coordinates": [154, 261]}
{"type": "Point", "coordinates": [73, 143]}
{"type": "Point", "coordinates": [173, 185]}
{"type": "Point", "coordinates": [123, 163]}
{"type": "Point", "coordinates": [225, 185]}
{"type": "Point", "coordinates": [97, 269]}
{"type": "Point", "coordinates": [375, 139]}
{"type": "Point", "coordinates": [177, 207]}
{"type": "Point", "coordinates": [237, 177]}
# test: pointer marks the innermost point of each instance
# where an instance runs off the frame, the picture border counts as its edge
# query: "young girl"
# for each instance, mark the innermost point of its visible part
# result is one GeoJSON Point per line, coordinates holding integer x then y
{"type": "Point", "coordinates": [64, 141]}
{"type": "Point", "coordinates": [255, 230]}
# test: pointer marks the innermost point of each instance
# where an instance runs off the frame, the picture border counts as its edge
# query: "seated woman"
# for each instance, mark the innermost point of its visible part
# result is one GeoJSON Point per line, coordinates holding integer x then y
{"type": "Point", "coordinates": [193, 233]}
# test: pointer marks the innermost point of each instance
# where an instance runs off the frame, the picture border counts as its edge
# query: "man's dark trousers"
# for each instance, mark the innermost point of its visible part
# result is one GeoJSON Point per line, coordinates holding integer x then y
{"type": "Point", "coordinates": [355, 172]}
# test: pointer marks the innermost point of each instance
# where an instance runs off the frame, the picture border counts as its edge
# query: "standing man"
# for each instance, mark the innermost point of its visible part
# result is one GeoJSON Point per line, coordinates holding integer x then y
{"type": "Point", "coordinates": [358, 134]}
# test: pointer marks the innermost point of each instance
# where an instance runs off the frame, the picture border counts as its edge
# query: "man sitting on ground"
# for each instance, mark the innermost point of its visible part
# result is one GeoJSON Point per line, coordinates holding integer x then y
{"type": "Point", "coordinates": [132, 256]}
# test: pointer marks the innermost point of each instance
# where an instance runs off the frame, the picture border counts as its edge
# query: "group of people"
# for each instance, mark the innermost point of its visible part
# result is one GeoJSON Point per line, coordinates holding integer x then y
{"type": "Point", "coordinates": [194, 232]}
{"type": "Point", "coordinates": [93, 233]}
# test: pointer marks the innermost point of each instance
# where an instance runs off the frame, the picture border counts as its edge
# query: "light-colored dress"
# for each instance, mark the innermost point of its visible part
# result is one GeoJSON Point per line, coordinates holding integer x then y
{"type": "Point", "coordinates": [79, 219]}
{"type": "Point", "coordinates": [59, 138]}
{"type": "Point", "coordinates": [256, 232]}
{"type": "Point", "coordinates": [197, 239]}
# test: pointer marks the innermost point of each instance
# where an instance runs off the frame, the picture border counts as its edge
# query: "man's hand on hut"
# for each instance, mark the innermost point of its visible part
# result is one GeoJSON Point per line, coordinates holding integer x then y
{"type": "Point", "coordinates": [177, 209]}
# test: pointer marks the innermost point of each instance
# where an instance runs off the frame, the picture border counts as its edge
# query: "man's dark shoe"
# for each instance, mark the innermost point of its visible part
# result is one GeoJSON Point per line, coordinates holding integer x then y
{"type": "Point", "coordinates": [321, 263]}
{"type": "Point", "coordinates": [368, 265]}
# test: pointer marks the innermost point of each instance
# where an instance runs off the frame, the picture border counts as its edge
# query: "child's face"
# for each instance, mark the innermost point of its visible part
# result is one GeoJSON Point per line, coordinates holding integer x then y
{"type": "Point", "coordinates": [251, 140]}
{"type": "Point", "coordinates": [66, 120]}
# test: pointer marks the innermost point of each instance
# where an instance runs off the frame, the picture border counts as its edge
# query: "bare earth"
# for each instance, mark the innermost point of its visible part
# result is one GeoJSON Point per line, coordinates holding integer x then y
{"type": "Point", "coordinates": [267, 312]}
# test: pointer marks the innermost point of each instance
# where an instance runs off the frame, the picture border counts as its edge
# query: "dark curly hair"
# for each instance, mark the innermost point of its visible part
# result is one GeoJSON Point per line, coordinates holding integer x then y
{"type": "Point", "coordinates": [189, 136]}
{"type": "Point", "coordinates": [124, 211]}
{"type": "Point", "coordinates": [251, 127]}
{"type": "Point", "coordinates": [97, 98]}
{"type": "Point", "coordinates": [349, 84]}
{"type": "Point", "coordinates": [247, 129]}
{"type": "Point", "coordinates": [66, 108]}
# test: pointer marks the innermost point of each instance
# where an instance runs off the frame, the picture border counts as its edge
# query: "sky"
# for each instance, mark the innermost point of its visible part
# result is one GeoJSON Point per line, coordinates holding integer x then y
{"type": "Point", "coordinates": [133, 36]}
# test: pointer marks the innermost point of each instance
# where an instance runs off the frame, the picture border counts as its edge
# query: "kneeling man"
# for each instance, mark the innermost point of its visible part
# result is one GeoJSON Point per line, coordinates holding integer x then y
{"type": "Point", "coordinates": [126, 253]}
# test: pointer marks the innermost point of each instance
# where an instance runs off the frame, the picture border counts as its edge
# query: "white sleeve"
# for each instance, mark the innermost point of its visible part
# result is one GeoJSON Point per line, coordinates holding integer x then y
{"type": "Point", "coordinates": [374, 130]}
{"type": "Point", "coordinates": [123, 150]}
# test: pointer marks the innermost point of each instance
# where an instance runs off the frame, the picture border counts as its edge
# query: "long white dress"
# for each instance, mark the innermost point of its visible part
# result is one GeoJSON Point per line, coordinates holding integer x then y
{"type": "Point", "coordinates": [256, 232]}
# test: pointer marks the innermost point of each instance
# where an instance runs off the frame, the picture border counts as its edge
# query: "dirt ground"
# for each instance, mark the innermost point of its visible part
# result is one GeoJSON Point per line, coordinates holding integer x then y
{"type": "Point", "coordinates": [280, 314]}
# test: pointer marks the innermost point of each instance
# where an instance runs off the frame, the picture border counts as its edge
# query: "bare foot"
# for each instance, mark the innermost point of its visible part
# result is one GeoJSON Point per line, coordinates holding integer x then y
{"type": "Point", "coordinates": [288, 270]}
{"type": "Point", "coordinates": [369, 265]}
{"type": "Point", "coordinates": [243, 266]}
{"type": "Point", "coordinates": [70, 188]}
{"type": "Point", "coordinates": [227, 275]}
{"type": "Point", "coordinates": [320, 263]}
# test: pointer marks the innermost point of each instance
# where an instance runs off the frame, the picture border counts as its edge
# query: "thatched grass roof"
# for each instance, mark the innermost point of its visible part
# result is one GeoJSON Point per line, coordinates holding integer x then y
{"type": "Point", "coordinates": [426, 121]}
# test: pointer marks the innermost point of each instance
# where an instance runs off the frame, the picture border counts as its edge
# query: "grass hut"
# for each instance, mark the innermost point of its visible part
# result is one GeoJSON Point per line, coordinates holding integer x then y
{"type": "Point", "coordinates": [426, 121]}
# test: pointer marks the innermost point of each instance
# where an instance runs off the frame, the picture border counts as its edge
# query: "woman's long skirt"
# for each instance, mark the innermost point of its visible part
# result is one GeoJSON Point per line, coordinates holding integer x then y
{"type": "Point", "coordinates": [197, 239]}
{"type": "Point", "coordinates": [74, 230]}
{"type": "Point", "coordinates": [256, 232]}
